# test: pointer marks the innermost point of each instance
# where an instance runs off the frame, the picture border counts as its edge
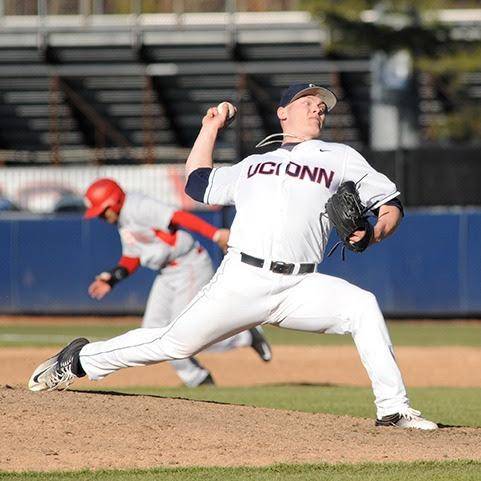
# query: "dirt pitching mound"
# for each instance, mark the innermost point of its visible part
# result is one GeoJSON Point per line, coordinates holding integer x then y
{"type": "Point", "coordinates": [77, 430]}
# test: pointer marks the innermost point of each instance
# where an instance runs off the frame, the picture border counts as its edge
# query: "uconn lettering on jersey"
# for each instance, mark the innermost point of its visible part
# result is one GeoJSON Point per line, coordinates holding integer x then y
{"type": "Point", "coordinates": [314, 174]}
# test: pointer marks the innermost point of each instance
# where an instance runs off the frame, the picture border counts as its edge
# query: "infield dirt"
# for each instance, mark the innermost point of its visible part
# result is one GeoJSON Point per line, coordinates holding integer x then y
{"type": "Point", "coordinates": [74, 430]}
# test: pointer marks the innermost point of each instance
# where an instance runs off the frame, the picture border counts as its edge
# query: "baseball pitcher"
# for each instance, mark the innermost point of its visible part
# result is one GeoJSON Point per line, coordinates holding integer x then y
{"type": "Point", "coordinates": [276, 244]}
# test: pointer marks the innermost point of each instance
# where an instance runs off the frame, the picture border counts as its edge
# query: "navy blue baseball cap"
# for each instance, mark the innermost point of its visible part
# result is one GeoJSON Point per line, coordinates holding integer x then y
{"type": "Point", "coordinates": [298, 90]}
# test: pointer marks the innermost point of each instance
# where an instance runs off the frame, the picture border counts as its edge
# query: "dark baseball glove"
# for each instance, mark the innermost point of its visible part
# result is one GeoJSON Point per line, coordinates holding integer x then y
{"type": "Point", "coordinates": [347, 215]}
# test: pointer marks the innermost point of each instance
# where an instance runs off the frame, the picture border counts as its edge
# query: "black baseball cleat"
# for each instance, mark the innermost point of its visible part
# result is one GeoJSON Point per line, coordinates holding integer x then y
{"type": "Point", "coordinates": [260, 345]}
{"type": "Point", "coordinates": [408, 419]}
{"type": "Point", "coordinates": [59, 371]}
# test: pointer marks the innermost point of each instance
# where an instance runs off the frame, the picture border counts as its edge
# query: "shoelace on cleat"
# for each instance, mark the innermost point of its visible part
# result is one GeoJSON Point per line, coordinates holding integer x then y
{"type": "Point", "coordinates": [61, 375]}
{"type": "Point", "coordinates": [410, 413]}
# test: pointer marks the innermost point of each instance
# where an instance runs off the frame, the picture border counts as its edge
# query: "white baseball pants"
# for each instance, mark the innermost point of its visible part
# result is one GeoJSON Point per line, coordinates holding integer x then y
{"type": "Point", "coordinates": [171, 291]}
{"type": "Point", "coordinates": [236, 298]}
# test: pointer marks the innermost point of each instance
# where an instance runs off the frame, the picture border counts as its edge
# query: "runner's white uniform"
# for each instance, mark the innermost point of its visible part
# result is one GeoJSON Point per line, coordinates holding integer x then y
{"type": "Point", "coordinates": [279, 197]}
{"type": "Point", "coordinates": [183, 267]}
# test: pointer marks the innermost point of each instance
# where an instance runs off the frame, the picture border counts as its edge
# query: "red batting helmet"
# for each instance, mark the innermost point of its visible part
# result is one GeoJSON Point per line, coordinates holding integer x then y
{"type": "Point", "coordinates": [102, 194]}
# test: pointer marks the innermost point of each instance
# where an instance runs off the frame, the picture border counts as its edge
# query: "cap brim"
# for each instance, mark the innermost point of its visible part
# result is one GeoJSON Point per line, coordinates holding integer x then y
{"type": "Point", "coordinates": [92, 212]}
{"type": "Point", "coordinates": [325, 95]}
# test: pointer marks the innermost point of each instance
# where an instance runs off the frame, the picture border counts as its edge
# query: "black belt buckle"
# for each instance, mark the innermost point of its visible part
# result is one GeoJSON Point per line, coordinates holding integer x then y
{"type": "Point", "coordinates": [282, 267]}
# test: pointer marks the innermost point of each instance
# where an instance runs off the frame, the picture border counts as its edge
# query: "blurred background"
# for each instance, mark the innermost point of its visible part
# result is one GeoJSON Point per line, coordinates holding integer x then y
{"type": "Point", "coordinates": [117, 88]}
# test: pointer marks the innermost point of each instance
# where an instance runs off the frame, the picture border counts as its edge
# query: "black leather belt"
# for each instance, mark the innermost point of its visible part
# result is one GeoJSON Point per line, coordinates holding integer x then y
{"type": "Point", "coordinates": [278, 266]}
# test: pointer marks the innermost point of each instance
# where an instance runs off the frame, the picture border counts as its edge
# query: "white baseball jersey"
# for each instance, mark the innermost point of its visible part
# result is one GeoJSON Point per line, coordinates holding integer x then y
{"type": "Point", "coordinates": [144, 232]}
{"type": "Point", "coordinates": [280, 196]}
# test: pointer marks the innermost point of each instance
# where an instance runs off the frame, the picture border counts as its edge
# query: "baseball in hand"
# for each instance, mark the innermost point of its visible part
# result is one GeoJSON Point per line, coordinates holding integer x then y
{"type": "Point", "coordinates": [231, 110]}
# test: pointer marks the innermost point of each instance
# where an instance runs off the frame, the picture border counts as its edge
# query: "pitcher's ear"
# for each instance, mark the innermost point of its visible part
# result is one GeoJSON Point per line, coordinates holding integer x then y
{"type": "Point", "coordinates": [282, 113]}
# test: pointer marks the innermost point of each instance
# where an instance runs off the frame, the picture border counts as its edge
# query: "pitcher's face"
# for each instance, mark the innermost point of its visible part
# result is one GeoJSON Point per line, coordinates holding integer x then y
{"type": "Point", "coordinates": [304, 117]}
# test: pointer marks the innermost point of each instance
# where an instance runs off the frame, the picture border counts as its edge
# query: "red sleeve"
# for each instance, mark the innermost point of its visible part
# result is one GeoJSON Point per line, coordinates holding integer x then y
{"type": "Point", "coordinates": [129, 263]}
{"type": "Point", "coordinates": [193, 223]}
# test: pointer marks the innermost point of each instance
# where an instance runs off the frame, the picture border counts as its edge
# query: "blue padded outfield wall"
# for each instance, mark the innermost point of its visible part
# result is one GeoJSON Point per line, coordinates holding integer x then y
{"type": "Point", "coordinates": [431, 266]}
{"type": "Point", "coordinates": [47, 264]}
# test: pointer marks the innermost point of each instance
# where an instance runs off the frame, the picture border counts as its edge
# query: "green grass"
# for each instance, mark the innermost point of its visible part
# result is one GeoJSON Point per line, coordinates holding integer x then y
{"type": "Point", "coordinates": [44, 334]}
{"type": "Point", "coordinates": [419, 471]}
{"type": "Point", "coordinates": [421, 333]}
{"type": "Point", "coordinates": [449, 406]}
{"type": "Point", "coordinates": [441, 333]}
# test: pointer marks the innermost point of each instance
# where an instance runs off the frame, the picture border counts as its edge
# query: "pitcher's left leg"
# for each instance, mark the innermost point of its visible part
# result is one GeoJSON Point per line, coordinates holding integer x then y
{"type": "Point", "coordinates": [321, 303]}
{"type": "Point", "coordinates": [375, 348]}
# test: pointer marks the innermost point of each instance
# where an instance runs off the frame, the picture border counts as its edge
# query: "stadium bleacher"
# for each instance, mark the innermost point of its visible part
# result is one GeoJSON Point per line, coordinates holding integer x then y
{"type": "Point", "coordinates": [123, 88]}
{"type": "Point", "coordinates": [150, 83]}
